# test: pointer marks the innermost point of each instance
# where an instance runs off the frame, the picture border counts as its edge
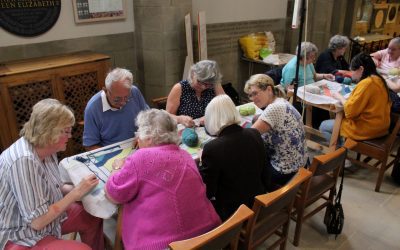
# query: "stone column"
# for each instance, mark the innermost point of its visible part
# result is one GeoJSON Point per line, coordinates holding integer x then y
{"type": "Point", "coordinates": [161, 44]}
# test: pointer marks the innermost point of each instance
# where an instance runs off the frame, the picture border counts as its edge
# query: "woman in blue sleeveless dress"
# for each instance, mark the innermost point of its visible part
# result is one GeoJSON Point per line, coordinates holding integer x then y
{"type": "Point", "coordinates": [189, 98]}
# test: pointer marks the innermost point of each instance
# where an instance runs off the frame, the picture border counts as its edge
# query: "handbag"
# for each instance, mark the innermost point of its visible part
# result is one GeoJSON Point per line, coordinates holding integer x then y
{"type": "Point", "coordinates": [334, 216]}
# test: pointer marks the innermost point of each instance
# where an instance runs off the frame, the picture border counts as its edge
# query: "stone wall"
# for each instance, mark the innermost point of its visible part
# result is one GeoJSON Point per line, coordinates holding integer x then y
{"type": "Point", "coordinates": [223, 47]}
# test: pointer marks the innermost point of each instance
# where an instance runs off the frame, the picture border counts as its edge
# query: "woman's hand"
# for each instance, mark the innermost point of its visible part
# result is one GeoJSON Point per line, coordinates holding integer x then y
{"type": "Point", "coordinates": [329, 77]}
{"type": "Point", "coordinates": [85, 186]}
{"type": "Point", "coordinates": [338, 97]}
{"type": "Point", "coordinates": [118, 163]}
{"type": "Point", "coordinates": [186, 121]}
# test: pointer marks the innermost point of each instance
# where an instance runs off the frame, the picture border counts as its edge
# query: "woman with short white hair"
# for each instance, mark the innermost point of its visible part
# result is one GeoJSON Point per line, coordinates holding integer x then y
{"type": "Point", "coordinates": [36, 208]}
{"type": "Point", "coordinates": [188, 99]}
{"type": "Point", "coordinates": [160, 188]}
{"type": "Point", "coordinates": [233, 165]}
{"type": "Point", "coordinates": [332, 59]}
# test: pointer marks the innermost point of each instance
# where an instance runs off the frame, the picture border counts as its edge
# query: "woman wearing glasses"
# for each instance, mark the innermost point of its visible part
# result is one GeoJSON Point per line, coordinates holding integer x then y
{"type": "Point", "coordinates": [281, 127]}
{"type": "Point", "coordinates": [110, 114]}
{"type": "Point", "coordinates": [36, 208]}
{"type": "Point", "coordinates": [189, 98]}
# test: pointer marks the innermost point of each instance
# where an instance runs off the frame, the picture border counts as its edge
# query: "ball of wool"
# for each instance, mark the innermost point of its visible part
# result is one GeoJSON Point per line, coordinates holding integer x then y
{"type": "Point", "coordinates": [339, 78]}
{"type": "Point", "coordinates": [394, 71]}
{"type": "Point", "coordinates": [190, 137]}
{"type": "Point", "coordinates": [247, 110]}
{"type": "Point", "coordinates": [347, 80]}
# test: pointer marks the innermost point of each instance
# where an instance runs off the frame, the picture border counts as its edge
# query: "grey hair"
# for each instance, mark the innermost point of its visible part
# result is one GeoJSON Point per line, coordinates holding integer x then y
{"type": "Point", "coordinates": [117, 75]}
{"type": "Point", "coordinates": [48, 118]}
{"type": "Point", "coordinates": [220, 113]}
{"type": "Point", "coordinates": [396, 40]}
{"type": "Point", "coordinates": [205, 71]}
{"type": "Point", "coordinates": [158, 126]}
{"type": "Point", "coordinates": [338, 42]}
{"type": "Point", "coordinates": [306, 49]}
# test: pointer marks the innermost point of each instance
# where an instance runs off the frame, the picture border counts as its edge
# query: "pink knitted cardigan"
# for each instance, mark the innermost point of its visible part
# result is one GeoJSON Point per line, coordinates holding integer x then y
{"type": "Point", "coordinates": [163, 197]}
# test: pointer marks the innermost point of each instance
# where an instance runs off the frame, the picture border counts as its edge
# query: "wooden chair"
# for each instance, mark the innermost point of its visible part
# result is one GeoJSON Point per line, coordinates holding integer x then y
{"type": "Point", "coordinates": [379, 149]}
{"type": "Point", "coordinates": [160, 103]}
{"type": "Point", "coordinates": [118, 245]}
{"type": "Point", "coordinates": [220, 237]}
{"type": "Point", "coordinates": [272, 214]}
{"type": "Point", "coordinates": [325, 170]}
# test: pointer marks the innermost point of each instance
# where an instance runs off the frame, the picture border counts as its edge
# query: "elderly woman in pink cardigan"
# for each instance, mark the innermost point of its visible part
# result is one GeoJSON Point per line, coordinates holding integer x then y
{"type": "Point", "coordinates": [163, 196]}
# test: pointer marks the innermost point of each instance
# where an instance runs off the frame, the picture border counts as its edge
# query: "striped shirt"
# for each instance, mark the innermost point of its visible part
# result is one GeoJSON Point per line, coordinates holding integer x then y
{"type": "Point", "coordinates": [28, 186]}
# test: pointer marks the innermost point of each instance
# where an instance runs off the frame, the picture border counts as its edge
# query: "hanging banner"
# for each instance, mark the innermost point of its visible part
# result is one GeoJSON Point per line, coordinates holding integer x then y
{"type": "Point", "coordinates": [29, 17]}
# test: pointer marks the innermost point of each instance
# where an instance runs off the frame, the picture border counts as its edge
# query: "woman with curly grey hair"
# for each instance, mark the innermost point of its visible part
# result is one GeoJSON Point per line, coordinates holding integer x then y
{"type": "Point", "coordinates": [160, 187]}
{"type": "Point", "coordinates": [332, 59]}
{"type": "Point", "coordinates": [36, 208]}
{"type": "Point", "coordinates": [189, 98]}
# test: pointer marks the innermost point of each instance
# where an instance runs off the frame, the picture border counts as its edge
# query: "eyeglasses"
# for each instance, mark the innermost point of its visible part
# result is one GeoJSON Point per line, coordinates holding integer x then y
{"type": "Point", "coordinates": [206, 84]}
{"type": "Point", "coordinates": [253, 94]}
{"type": "Point", "coordinates": [119, 99]}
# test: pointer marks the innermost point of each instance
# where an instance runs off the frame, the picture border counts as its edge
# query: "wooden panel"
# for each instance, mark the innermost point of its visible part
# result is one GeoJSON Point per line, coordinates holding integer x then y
{"type": "Point", "coordinates": [4, 135]}
{"type": "Point", "coordinates": [72, 78]}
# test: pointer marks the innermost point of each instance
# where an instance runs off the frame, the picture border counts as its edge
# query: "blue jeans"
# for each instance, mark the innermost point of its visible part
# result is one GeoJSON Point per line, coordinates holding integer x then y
{"type": "Point", "coordinates": [326, 129]}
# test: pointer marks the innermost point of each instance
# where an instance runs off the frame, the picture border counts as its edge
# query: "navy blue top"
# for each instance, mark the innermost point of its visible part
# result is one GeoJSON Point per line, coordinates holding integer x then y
{"type": "Point", "coordinates": [326, 63]}
{"type": "Point", "coordinates": [190, 105]}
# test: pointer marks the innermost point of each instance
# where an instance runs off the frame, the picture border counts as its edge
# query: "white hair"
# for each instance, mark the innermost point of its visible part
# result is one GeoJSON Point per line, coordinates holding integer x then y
{"type": "Point", "coordinates": [306, 49]}
{"type": "Point", "coordinates": [158, 126]}
{"type": "Point", "coordinates": [117, 75]}
{"type": "Point", "coordinates": [205, 71]}
{"type": "Point", "coordinates": [220, 113]}
{"type": "Point", "coordinates": [338, 42]}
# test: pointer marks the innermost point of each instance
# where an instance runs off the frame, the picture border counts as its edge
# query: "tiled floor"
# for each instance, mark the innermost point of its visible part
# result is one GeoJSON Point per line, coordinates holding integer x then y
{"type": "Point", "coordinates": [372, 220]}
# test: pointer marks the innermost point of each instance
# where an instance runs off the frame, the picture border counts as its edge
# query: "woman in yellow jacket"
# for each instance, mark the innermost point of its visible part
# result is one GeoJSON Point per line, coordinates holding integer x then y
{"type": "Point", "coordinates": [367, 110]}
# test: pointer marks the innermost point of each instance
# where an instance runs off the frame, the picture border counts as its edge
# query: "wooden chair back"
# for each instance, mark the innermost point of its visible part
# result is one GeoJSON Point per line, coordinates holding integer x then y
{"type": "Point", "coordinates": [272, 214]}
{"type": "Point", "coordinates": [160, 103]}
{"type": "Point", "coordinates": [325, 171]}
{"type": "Point", "coordinates": [118, 245]}
{"type": "Point", "coordinates": [227, 234]}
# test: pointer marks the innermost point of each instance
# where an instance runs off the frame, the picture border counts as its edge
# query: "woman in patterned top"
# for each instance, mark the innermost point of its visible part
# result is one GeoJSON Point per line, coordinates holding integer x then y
{"type": "Point", "coordinates": [189, 98]}
{"type": "Point", "coordinates": [281, 127]}
{"type": "Point", "coordinates": [36, 208]}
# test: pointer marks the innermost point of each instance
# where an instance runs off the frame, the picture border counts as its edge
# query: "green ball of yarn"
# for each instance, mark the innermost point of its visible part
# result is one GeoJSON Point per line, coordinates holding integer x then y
{"type": "Point", "coordinates": [247, 110]}
{"type": "Point", "coordinates": [190, 137]}
{"type": "Point", "coordinates": [347, 80]}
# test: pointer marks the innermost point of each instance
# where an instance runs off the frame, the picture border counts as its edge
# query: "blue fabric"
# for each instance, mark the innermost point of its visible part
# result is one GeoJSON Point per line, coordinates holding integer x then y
{"type": "Point", "coordinates": [289, 72]}
{"type": "Point", "coordinates": [105, 128]}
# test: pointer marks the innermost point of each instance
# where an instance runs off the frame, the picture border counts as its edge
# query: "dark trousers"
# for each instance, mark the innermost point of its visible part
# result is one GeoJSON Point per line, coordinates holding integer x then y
{"type": "Point", "coordinates": [278, 179]}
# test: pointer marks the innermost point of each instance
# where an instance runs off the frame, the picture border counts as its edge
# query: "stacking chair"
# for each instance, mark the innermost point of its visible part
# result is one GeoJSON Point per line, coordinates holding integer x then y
{"type": "Point", "coordinates": [219, 238]}
{"type": "Point", "coordinates": [118, 245]}
{"type": "Point", "coordinates": [325, 170]}
{"type": "Point", "coordinates": [160, 103]}
{"type": "Point", "coordinates": [272, 214]}
{"type": "Point", "coordinates": [379, 149]}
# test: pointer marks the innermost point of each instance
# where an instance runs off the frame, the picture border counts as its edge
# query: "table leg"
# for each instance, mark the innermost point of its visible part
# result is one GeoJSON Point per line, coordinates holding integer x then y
{"type": "Point", "coordinates": [335, 131]}
{"type": "Point", "coordinates": [251, 66]}
{"type": "Point", "coordinates": [309, 115]}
